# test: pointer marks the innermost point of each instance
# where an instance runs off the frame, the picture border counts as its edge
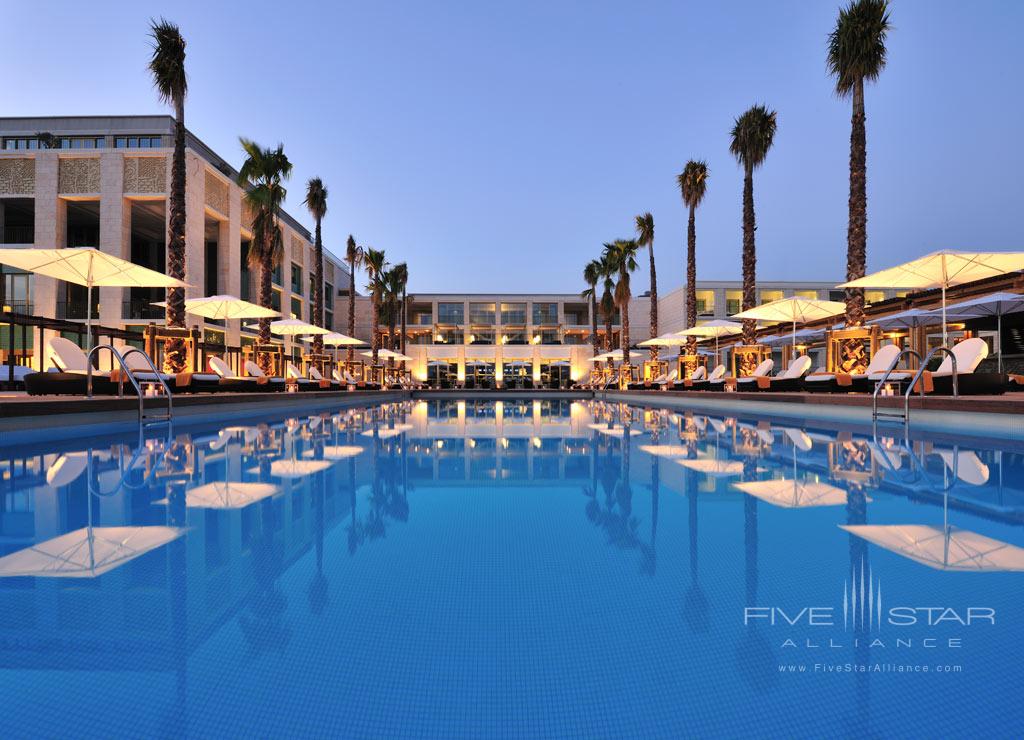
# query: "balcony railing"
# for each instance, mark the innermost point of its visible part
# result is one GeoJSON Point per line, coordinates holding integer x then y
{"type": "Point", "coordinates": [141, 309]}
{"type": "Point", "coordinates": [19, 234]}
{"type": "Point", "coordinates": [75, 310]}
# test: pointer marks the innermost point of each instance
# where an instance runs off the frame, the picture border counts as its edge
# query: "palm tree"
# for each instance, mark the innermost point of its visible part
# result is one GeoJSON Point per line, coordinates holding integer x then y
{"type": "Point", "coordinates": [355, 256]}
{"type": "Point", "coordinates": [402, 278]}
{"type": "Point", "coordinates": [622, 257]}
{"type": "Point", "coordinates": [856, 52]}
{"type": "Point", "coordinates": [375, 264]}
{"type": "Point", "coordinates": [693, 182]}
{"type": "Point", "coordinates": [261, 176]}
{"type": "Point", "coordinates": [168, 68]}
{"type": "Point", "coordinates": [316, 202]}
{"type": "Point", "coordinates": [645, 238]}
{"type": "Point", "coordinates": [752, 135]}
{"type": "Point", "coordinates": [591, 276]}
{"type": "Point", "coordinates": [607, 304]}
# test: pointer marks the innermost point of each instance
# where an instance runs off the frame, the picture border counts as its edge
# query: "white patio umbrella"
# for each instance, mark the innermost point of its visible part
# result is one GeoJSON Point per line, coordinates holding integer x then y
{"type": "Point", "coordinates": [994, 304]}
{"type": "Point", "coordinates": [388, 354]}
{"type": "Point", "coordinates": [717, 328]}
{"type": "Point", "coordinates": [87, 552]}
{"type": "Point", "coordinates": [793, 310]}
{"type": "Point", "coordinates": [89, 267]}
{"type": "Point", "coordinates": [943, 269]}
{"type": "Point", "coordinates": [223, 307]}
{"type": "Point", "coordinates": [665, 340]}
{"type": "Point", "coordinates": [291, 328]}
{"type": "Point", "coordinates": [943, 548]}
{"type": "Point", "coordinates": [336, 339]}
{"type": "Point", "coordinates": [909, 319]}
{"type": "Point", "coordinates": [228, 495]}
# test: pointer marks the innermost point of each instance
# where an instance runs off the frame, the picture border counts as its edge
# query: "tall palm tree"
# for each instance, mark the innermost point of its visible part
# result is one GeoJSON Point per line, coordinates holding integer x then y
{"type": "Point", "coordinates": [261, 176]}
{"type": "Point", "coordinates": [607, 304]}
{"type": "Point", "coordinates": [316, 202]}
{"type": "Point", "coordinates": [355, 257]}
{"type": "Point", "coordinates": [167, 66]}
{"type": "Point", "coordinates": [402, 278]}
{"type": "Point", "coordinates": [752, 136]}
{"type": "Point", "coordinates": [375, 264]}
{"type": "Point", "coordinates": [693, 182]}
{"type": "Point", "coordinates": [591, 276]}
{"type": "Point", "coordinates": [622, 256]}
{"type": "Point", "coordinates": [856, 52]}
{"type": "Point", "coordinates": [390, 299]}
{"type": "Point", "coordinates": [645, 238]}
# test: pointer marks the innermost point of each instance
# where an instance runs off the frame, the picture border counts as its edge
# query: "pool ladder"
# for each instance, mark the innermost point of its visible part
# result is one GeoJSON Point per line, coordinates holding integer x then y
{"type": "Point", "coordinates": [904, 413]}
{"type": "Point", "coordinates": [166, 414]}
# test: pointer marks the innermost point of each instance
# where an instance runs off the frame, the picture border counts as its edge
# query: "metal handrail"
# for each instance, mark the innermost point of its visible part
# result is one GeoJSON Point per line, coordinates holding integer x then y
{"type": "Point", "coordinates": [131, 376]}
{"type": "Point", "coordinates": [921, 370]}
{"type": "Point", "coordinates": [126, 471]}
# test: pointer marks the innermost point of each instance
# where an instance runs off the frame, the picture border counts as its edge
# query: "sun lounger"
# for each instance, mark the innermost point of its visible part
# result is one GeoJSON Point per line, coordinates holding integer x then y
{"type": "Point", "coordinates": [702, 383]}
{"type": "Point", "coordinates": [322, 383]}
{"type": "Point", "coordinates": [790, 379]}
{"type": "Point", "coordinates": [229, 382]}
{"type": "Point", "coordinates": [293, 377]}
{"type": "Point", "coordinates": [71, 376]}
{"type": "Point", "coordinates": [360, 384]}
{"type": "Point", "coordinates": [745, 383]}
{"type": "Point", "coordinates": [856, 382]}
{"type": "Point", "coordinates": [969, 354]}
{"type": "Point", "coordinates": [667, 381]}
{"type": "Point", "coordinates": [180, 383]}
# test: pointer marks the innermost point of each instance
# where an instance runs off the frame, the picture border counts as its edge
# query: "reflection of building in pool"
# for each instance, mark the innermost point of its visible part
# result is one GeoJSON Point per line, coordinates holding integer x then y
{"type": "Point", "coordinates": [514, 442]}
{"type": "Point", "coordinates": [148, 613]}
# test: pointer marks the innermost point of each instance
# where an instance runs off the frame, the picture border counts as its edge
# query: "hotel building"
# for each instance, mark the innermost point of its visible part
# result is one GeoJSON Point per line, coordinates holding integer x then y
{"type": "Point", "coordinates": [103, 181]}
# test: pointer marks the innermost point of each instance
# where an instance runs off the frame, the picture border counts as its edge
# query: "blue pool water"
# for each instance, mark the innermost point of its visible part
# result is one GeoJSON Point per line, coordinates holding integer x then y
{"type": "Point", "coordinates": [531, 569]}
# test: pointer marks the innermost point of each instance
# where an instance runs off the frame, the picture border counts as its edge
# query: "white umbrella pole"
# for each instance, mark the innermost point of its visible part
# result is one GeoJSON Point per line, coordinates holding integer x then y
{"type": "Point", "coordinates": [999, 336]}
{"type": "Point", "coordinates": [945, 339]}
{"type": "Point", "coordinates": [794, 339]}
{"type": "Point", "coordinates": [88, 318]}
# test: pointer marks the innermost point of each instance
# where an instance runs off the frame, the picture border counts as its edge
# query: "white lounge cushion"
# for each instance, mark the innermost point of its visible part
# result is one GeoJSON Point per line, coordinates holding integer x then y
{"type": "Point", "coordinates": [67, 356]}
{"type": "Point", "coordinates": [700, 373]}
{"type": "Point", "coordinates": [882, 359]}
{"type": "Point", "coordinates": [717, 373]}
{"type": "Point", "coordinates": [796, 368]}
{"type": "Point", "coordinates": [969, 354]}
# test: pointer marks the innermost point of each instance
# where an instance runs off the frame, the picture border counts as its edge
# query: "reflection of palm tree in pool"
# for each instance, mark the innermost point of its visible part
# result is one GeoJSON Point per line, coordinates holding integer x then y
{"type": "Point", "coordinates": [753, 652]}
{"type": "Point", "coordinates": [857, 513]}
{"type": "Point", "coordinates": [317, 591]}
{"type": "Point", "coordinates": [263, 625]}
{"type": "Point", "coordinates": [695, 602]}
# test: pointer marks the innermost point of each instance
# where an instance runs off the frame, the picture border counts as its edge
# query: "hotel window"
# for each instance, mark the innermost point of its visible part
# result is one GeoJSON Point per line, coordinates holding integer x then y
{"type": "Point", "coordinates": [21, 143]}
{"type": "Point", "coordinates": [545, 313]}
{"type": "Point", "coordinates": [513, 337]}
{"type": "Point", "coordinates": [481, 313]}
{"type": "Point", "coordinates": [275, 299]}
{"type": "Point", "coordinates": [451, 313]}
{"type": "Point", "coordinates": [275, 274]}
{"type": "Point", "coordinates": [513, 313]}
{"type": "Point", "coordinates": [705, 302]}
{"type": "Point", "coordinates": [767, 296]}
{"type": "Point", "coordinates": [448, 336]}
{"type": "Point", "coordinates": [137, 142]}
{"type": "Point", "coordinates": [82, 142]}
{"type": "Point", "coordinates": [874, 296]}
{"type": "Point", "coordinates": [296, 308]}
{"type": "Point", "coordinates": [548, 336]}
{"type": "Point", "coordinates": [480, 337]}
{"type": "Point", "coordinates": [733, 301]}
{"type": "Point", "coordinates": [812, 294]}
{"type": "Point", "coordinates": [837, 295]}
{"type": "Point", "coordinates": [296, 279]}
{"type": "Point", "coordinates": [328, 320]}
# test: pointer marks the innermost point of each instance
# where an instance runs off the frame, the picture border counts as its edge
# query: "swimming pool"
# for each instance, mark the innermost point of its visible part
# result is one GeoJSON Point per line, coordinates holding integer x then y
{"type": "Point", "coordinates": [519, 569]}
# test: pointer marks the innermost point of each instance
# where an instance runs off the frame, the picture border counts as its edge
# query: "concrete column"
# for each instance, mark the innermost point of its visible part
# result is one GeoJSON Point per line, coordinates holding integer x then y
{"type": "Point", "coordinates": [230, 257]}
{"type": "Point", "coordinates": [50, 226]}
{"type": "Point", "coordinates": [113, 210]}
{"type": "Point", "coordinates": [195, 227]}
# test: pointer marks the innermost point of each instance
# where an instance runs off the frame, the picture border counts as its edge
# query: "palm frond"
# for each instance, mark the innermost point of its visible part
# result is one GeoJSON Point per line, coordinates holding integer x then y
{"type": "Point", "coordinates": [316, 198]}
{"type": "Point", "coordinates": [693, 182]}
{"type": "Point", "coordinates": [645, 229]}
{"type": "Point", "coordinates": [752, 136]}
{"type": "Point", "coordinates": [167, 64]}
{"type": "Point", "coordinates": [856, 47]}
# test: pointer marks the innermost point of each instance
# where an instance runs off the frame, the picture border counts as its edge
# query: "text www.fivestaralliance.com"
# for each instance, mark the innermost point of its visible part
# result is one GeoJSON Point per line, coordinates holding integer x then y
{"type": "Point", "coordinates": [825, 668]}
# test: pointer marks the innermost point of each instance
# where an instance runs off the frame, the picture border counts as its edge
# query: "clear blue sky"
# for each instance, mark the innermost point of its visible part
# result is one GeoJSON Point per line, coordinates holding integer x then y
{"type": "Point", "coordinates": [495, 146]}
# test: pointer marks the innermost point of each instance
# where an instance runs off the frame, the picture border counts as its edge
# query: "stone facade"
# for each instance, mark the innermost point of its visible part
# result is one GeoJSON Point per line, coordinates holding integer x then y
{"type": "Point", "coordinates": [298, 250]}
{"type": "Point", "coordinates": [17, 176]}
{"type": "Point", "coordinates": [145, 175]}
{"type": "Point", "coordinates": [216, 193]}
{"type": "Point", "coordinates": [78, 176]}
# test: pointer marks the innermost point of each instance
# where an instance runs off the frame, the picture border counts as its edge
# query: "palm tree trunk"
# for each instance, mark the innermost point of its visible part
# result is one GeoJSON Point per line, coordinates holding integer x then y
{"type": "Point", "coordinates": [691, 277]}
{"type": "Point", "coordinates": [374, 339]}
{"type": "Point", "coordinates": [856, 232]}
{"type": "Point", "coordinates": [318, 291]}
{"type": "Point", "coordinates": [266, 270]}
{"type": "Point", "coordinates": [402, 340]}
{"type": "Point", "coordinates": [749, 254]}
{"type": "Point", "coordinates": [625, 333]}
{"type": "Point", "coordinates": [654, 299]}
{"type": "Point", "coordinates": [174, 349]}
{"type": "Point", "coordinates": [351, 306]}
